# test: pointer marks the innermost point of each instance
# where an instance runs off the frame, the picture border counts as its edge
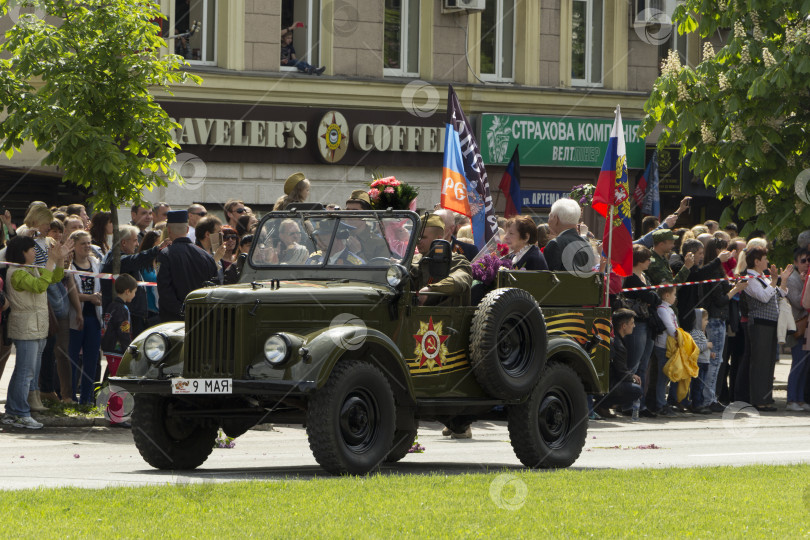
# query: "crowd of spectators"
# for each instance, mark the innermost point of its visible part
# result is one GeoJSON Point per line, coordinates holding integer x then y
{"type": "Point", "coordinates": [738, 316]}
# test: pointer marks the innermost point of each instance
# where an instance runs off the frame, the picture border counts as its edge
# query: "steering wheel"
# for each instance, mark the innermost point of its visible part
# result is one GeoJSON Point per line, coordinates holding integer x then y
{"type": "Point", "coordinates": [384, 260]}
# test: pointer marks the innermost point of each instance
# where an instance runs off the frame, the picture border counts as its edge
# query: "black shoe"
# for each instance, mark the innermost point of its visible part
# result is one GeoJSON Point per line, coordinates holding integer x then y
{"type": "Point", "coordinates": [702, 410]}
{"type": "Point", "coordinates": [765, 408]}
{"type": "Point", "coordinates": [604, 412]}
{"type": "Point", "coordinates": [716, 407]}
{"type": "Point", "coordinates": [310, 71]}
{"type": "Point", "coordinates": [647, 413]}
{"type": "Point", "coordinates": [319, 71]}
{"type": "Point", "coordinates": [667, 411]}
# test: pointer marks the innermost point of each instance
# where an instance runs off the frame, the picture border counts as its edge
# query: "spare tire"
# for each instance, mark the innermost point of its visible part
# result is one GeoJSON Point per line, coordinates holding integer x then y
{"type": "Point", "coordinates": [508, 343]}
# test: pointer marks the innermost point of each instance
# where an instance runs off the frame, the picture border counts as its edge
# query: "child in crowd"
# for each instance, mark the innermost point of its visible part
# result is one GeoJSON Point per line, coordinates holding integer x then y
{"type": "Point", "coordinates": [116, 333]}
{"type": "Point", "coordinates": [625, 385]}
{"type": "Point", "coordinates": [670, 320]}
{"type": "Point", "coordinates": [705, 347]}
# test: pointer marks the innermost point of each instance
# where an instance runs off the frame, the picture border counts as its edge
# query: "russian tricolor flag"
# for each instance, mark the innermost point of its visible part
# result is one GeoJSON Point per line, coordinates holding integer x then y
{"type": "Point", "coordinates": [510, 186]}
{"type": "Point", "coordinates": [612, 190]}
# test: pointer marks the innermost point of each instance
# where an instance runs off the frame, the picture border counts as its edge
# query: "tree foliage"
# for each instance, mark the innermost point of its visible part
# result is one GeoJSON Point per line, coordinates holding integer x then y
{"type": "Point", "coordinates": [78, 84]}
{"type": "Point", "coordinates": [744, 109]}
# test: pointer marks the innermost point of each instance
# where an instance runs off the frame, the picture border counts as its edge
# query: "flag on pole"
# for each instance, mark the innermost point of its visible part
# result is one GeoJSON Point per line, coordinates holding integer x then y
{"type": "Point", "coordinates": [641, 188]}
{"type": "Point", "coordinates": [510, 186]}
{"type": "Point", "coordinates": [612, 190]}
{"type": "Point", "coordinates": [465, 187]}
{"type": "Point", "coordinates": [652, 200]}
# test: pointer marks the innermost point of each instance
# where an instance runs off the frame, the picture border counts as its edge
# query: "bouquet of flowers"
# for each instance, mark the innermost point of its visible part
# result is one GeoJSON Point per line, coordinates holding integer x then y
{"type": "Point", "coordinates": [583, 194]}
{"type": "Point", "coordinates": [389, 192]}
{"type": "Point", "coordinates": [488, 262]}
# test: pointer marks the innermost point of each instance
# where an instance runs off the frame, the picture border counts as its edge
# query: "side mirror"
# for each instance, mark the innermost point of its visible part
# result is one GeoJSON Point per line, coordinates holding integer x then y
{"type": "Point", "coordinates": [240, 263]}
{"type": "Point", "coordinates": [439, 257]}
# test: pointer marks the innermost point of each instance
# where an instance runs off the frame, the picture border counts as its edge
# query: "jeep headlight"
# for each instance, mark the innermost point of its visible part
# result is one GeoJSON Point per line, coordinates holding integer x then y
{"type": "Point", "coordinates": [277, 349]}
{"type": "Point", "coordinates": [396, 273]}
{"type": "Point", "coordinates": [155, 347]}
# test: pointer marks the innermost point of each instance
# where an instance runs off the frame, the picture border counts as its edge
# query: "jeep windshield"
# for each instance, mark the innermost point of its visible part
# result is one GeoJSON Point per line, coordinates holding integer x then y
{"type": "Point", "coordinates": [318, 240]}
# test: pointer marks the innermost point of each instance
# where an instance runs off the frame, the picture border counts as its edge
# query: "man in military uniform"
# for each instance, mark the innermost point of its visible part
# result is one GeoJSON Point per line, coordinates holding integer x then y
{"type": "Point", "coordinates": [363, 241]}
{"type": "Point", "coordinates": [659, 270]}
{"type": "Point", "coordinates": [456, 286]}
{"type": "Point", "coordinates": [184, 267]}
{"type": "Point", "coordinates": [340, 254]}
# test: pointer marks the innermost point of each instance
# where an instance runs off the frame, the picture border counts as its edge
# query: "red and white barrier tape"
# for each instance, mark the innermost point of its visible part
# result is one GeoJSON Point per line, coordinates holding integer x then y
{"type": "Point", "coordinates": [682, 284]}
{"type": "Point", "coordinates": [98, 275]}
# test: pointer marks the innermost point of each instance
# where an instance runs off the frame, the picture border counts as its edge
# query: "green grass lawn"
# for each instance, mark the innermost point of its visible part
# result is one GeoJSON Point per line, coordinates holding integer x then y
{"type": "Point", "coordinates": [760, 501]}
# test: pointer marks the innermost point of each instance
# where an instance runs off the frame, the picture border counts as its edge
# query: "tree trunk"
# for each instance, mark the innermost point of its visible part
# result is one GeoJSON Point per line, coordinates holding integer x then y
{"type": "Point", "coordinates": [116, 244]}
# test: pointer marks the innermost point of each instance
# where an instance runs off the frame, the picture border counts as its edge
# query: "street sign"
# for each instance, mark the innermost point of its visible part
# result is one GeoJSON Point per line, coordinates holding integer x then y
{"type": "Point", "coordinates": [555, 141]}
{"type": "Point", "coordinates": [541, 198]}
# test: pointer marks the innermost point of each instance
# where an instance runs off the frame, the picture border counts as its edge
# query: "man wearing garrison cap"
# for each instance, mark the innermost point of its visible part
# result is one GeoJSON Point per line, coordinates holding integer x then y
{"type": "Point", "coordinates": [184, 267]}
{"type": "Point", "coordinates": [364, 241]}
{"type": "Point", "coordinates": [456, 286]}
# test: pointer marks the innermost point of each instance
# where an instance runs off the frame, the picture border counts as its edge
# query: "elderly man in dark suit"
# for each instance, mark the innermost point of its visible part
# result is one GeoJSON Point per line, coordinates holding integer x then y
{"type": "Point", "coordinates": [568, 251]}
{"type": "Point", "coordinates": [184, 267]}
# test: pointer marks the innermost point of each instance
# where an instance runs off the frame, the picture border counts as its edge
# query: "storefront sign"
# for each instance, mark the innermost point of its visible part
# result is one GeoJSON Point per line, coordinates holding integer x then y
{"type": "Point", "coordinates": [541, 198]}
{"type": "Point", "coordinates": [555, 142]}
{"type": "Point", "coordinates": [331, 136]}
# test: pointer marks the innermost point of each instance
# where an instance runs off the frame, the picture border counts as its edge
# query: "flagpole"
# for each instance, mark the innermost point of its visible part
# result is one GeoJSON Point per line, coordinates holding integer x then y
{"type": "Point", "coordinates": [609, 253]}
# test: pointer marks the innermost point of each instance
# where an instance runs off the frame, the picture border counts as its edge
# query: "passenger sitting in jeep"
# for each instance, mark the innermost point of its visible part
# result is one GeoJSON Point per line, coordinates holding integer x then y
{"type": "Point", "coordinates": [341, 255]}
{"type": "Point", "coordinates": [365, 238]}
{"type": "Point", "coordinates": [455, 288]}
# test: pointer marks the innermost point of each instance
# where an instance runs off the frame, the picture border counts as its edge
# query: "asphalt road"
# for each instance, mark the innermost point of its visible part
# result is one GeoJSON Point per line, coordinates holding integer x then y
{"type": "Point", "coordinates": [99, 457]}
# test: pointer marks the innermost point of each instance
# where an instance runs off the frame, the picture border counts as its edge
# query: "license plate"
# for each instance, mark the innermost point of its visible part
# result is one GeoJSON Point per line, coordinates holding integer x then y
{"type": "Point", "coordinates": [202, 386]}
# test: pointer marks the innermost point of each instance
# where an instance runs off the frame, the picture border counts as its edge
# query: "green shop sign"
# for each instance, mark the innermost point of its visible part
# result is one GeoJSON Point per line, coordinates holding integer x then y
{"type": "Point", "coordinates": [555, 142]}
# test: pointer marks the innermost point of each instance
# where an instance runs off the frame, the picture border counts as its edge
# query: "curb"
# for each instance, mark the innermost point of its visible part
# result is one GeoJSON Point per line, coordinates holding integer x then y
{"type": "Point", "coordinates": [71, 421]}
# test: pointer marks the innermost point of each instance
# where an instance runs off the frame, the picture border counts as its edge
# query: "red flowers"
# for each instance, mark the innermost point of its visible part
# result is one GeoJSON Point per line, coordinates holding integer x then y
{"type": "Point", "coordinates": [387, 181]}
{"type": "Point", "coordinates": [503, 250]}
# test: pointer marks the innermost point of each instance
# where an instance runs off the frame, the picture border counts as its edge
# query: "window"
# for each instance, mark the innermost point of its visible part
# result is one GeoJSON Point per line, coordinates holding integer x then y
{"type": "Point", "coordinates": [586, 42]}
{"type": "Point", "coordinates": [306, 40]}
{"type": "Point", "coordinates": [401, 47]}
{"type": "Point", "coordinates": [498, 41]}
{"type": "Point", "coordinates": [200, 48]}
{"type": "Point", "coordinates": [676, 42]}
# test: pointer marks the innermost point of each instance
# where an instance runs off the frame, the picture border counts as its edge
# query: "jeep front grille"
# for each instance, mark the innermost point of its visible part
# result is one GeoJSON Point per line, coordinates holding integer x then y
{"type": "Point", "coordinates": [210, 343]}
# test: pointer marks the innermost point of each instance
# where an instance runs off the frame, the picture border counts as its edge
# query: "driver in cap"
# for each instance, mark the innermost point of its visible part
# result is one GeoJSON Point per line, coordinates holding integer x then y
{"type": "Point", "coordinates": [340, 254]}
{"type": "Point", "coordinates": [456, 286]}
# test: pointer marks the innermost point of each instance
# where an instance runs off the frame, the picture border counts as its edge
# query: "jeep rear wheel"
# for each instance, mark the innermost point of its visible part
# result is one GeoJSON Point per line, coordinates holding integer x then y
{"type": "Point", "coordinates": [167, 440]}
{"type": "Point", "coordinates": [549, 429]}
{"type": "Point", "coordinates": [350, 421]}
{"type": "Point", "coordinates": [508, 343]}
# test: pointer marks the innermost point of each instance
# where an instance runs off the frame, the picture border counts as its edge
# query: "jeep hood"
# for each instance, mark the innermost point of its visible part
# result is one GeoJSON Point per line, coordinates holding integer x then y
{"type": "Point", "coordinates": [293, 292]}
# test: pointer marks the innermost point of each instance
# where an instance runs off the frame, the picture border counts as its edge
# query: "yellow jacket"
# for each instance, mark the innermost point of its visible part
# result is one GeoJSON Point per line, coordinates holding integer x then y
{"type": "Point", "coordinates": [682, 364]}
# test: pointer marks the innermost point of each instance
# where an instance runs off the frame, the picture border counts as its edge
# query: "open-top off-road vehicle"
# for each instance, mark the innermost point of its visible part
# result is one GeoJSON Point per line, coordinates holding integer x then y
{"type": "Point", "coordinates": [320, 335]}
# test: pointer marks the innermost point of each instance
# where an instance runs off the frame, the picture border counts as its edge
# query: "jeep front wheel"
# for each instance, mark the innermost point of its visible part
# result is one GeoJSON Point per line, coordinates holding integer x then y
{"type": "Point", "coordinates": [167, 440]}
{"type": "Point", "coordinates": [403, 441]}
{"type": "Point", "coordinates": [549, 429]}
{"type": "Point", "coordinates": [351, 419]}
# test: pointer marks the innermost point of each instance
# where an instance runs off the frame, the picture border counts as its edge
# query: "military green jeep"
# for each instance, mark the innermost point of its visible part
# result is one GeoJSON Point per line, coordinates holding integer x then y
{"type": "Point", "coordinates": [325, 334]}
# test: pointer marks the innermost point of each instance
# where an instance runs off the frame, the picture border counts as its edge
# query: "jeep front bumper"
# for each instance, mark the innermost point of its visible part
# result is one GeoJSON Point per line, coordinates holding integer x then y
{"type": "Point", "coordinates": [278, 389]}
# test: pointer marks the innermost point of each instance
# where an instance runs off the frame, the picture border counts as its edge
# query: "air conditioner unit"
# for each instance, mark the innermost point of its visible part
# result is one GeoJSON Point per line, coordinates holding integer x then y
{"type": "Point", "coordinates": [653, 12]}
{"type": "Point", "coordinates": [464, 5]}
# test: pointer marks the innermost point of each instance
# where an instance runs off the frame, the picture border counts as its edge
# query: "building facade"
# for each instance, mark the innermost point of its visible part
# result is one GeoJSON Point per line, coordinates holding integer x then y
{"type": "Point", "coordinates": [542, 74]}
